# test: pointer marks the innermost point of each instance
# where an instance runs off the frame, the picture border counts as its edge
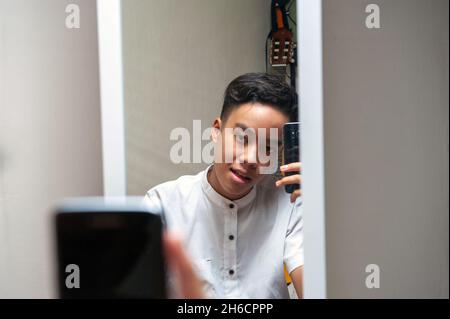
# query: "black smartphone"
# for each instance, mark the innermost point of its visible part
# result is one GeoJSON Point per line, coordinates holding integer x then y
{"type": "Point", "coordinates": [291, 149]}
{"type": "Point", "coordinates": [109, 250]}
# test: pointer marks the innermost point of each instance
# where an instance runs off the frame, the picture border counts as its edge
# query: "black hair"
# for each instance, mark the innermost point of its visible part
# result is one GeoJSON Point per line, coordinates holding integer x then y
{"type": "Point", "coordinates": [264, 88]}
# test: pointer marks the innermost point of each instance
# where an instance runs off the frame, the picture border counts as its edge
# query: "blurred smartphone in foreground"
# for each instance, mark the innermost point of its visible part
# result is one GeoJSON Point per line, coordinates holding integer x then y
{"type": "Point", "coordinates": [109, 249]}
{"type": "Point", "coordinates": [291, 149]}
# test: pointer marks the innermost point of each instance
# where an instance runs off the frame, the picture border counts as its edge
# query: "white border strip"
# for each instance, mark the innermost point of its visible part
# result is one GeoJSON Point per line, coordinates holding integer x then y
{"type": "Point", "coordinates": [111, 88]}
{"type": "Point", "coordinates": [309, 19]}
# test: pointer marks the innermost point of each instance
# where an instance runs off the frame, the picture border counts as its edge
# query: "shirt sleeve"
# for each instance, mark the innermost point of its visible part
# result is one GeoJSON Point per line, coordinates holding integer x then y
{"type": "Point", "coordinates": [293, 245]}
{"type": "Point", "coordinates": [152, 202]}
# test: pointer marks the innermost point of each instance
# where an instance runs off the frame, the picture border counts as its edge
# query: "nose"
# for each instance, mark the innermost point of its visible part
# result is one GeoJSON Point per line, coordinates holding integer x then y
{"type": "Point", "coordinates": [248, 156]}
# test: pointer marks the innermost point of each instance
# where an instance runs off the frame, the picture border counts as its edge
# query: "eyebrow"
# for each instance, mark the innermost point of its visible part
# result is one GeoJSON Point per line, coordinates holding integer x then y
{"type": "Point", "coordinates": [244, 127]}
{"type": "Point", "coordinates": [240, 125]}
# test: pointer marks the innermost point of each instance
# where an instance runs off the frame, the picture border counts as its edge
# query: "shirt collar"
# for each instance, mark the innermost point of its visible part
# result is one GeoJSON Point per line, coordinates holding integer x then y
{"type": "Point", "coordinates": [218, 199]}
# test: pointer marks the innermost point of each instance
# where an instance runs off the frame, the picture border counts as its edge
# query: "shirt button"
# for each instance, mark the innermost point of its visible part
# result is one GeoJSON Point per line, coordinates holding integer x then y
{"type": "Point", "coordinates": [231, 272]}
{"type": "Point", "coordinates": [231, 237]}
{"type": "Point", "coordinates": [231, 206]}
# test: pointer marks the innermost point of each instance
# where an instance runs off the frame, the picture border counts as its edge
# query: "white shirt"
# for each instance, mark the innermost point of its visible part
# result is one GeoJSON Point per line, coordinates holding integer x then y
{"type": "Point", "coordinates": [237, 247]}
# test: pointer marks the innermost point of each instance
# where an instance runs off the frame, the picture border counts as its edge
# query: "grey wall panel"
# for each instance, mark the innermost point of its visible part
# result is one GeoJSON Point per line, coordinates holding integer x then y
{"type": "Point", "coordinates": [50, 144]}
{"type": "Point", "coordinates": [386, 148]}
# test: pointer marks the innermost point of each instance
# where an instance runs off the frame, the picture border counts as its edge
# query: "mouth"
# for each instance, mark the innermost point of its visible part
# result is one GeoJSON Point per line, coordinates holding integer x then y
{"type": "Point", "coordinates": [240, 176]}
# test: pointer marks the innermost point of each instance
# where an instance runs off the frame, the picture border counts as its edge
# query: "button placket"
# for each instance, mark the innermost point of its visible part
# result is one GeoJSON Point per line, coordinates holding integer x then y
{"type": "Point", "coordinates": [229, 269]}
{"type": "Point", "coordinates": [233, 244]}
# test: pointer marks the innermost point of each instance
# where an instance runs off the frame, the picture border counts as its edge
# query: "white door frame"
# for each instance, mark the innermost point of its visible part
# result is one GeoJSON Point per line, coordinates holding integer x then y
{"type": "Point", "coordinates": [112, 101]}
{"type": "Point", "coordinates": [310, 88]}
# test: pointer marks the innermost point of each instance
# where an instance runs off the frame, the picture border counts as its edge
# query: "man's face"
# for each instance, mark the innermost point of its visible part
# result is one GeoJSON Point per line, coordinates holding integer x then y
{"type": "Point", "coordinates": [239, 166]}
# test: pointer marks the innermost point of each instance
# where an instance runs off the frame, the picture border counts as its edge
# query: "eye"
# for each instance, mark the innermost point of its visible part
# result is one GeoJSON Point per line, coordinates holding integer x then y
{"type": "Point", "coordinates": [240, 138]}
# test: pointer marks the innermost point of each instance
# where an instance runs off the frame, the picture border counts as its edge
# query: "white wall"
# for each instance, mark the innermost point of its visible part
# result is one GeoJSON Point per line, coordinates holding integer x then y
{"type": "Point", "coordinates": [386, 148]}
{"type": "Point", "coordinates": [50, 145]}
{"type": "Point", "coordinates": [178, 58]}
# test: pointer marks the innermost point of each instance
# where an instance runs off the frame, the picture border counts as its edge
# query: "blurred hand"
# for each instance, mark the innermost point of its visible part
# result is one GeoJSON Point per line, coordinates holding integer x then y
{"type": "Point", "coordinates": [292, 179]}
{"type": "Point", "coordinates": [186, 281]}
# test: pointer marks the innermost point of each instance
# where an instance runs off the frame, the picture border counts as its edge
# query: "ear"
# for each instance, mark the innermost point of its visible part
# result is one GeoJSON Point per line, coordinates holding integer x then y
{"type": "Point", "coordinates": [216, 127]}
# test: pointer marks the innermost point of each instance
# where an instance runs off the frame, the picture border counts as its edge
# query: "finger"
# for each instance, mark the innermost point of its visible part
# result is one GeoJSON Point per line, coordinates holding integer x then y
{"type": "Point", "coordinates": [187, 280]}
{"type": "Point", "coordinates": [295, 194]}
{"type": "Point", "coordinates": [287, 180]}
{"type": "Point", "coordinates": [188, 283]}
{"type": "Point", "coordinates": [291, 167]}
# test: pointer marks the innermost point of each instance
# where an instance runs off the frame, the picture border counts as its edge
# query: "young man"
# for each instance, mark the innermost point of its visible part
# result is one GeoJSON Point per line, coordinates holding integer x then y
{"type": "Point", "coordinates": [238, 225]}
